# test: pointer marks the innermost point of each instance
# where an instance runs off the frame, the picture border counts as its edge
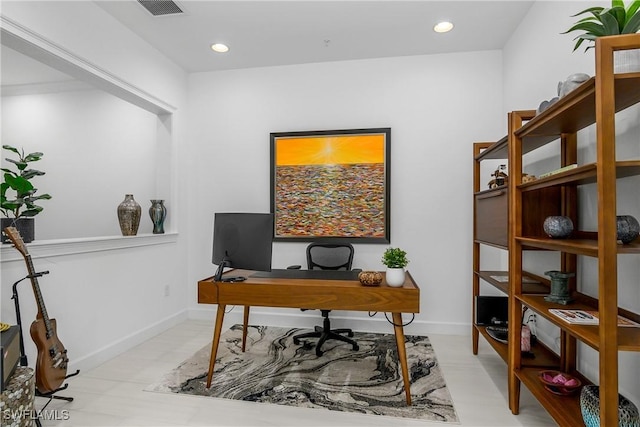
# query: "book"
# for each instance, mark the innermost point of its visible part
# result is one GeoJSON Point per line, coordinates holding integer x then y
{"type": "Point", "coordinates": [562, 169]}
{"type": "Point", "coordinates": [505, 279]}
{"type": "Point", "coordinates": [587, 317]}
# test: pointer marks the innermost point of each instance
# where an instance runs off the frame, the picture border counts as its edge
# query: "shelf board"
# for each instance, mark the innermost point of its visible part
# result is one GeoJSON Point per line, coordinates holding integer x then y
{"type": "Point", "coordinates": [628, 337]}
{"type": "Point", "coordinates": [576, 111]}
{"type": "Point", "coordinates": [565, 410]}
{"type": "Point", "coordinates": [500, 348]}
{"type": "Point", "coordinates": [499, 150]}
{"type": "Point", "coordinates": [582, 175]}
{"type": "Point", "coordinates": [543, 357]}
{"type": "Point", "coordinates": [489, 192]}
{"type": "Point", "coordinates": [587, 247]}
{"type": "Point", "coordinates": [495, 245]}
{"type": "Point", "coordinates": [527, 288]}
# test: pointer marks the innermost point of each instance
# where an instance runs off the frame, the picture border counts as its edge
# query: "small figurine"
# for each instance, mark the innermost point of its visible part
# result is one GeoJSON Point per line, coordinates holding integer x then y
{"type": "Point", "coordinates": [572, 82]}
{"type": "Point", "coordinates": [500, 177]}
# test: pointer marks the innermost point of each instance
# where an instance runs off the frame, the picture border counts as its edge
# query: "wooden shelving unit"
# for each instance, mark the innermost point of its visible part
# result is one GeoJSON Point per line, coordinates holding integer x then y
{"type": "Point", "coordinates": [594, 102]}
{"type": "Point", "coordinates": [491, 229]}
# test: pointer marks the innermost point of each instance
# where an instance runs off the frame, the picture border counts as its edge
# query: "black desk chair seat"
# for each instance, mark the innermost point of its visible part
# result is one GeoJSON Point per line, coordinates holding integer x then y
{"type": "Point", "coordinates": [328, 256]}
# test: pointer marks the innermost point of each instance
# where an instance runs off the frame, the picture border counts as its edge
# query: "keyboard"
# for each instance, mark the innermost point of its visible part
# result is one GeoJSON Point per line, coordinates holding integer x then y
{"type": "Point", "coordinates": [307, 274]}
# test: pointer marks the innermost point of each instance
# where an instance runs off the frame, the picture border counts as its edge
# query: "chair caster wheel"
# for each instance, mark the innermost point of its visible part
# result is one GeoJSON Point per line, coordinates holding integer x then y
{"type": "Point", "coordinates": [319, 353]}
{"type": "Point", "coordinates": [350, 334]}
{"type": "Point", "coordinates": [356, 348]}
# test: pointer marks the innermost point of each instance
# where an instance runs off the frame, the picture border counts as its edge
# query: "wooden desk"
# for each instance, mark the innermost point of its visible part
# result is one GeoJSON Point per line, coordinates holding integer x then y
{"type": "Point", "coordinates": [312, 294]}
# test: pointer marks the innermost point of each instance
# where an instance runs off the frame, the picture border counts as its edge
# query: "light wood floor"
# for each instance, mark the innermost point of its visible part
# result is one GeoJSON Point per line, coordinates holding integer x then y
{"type": "Point", "coordinates": [111, 394]}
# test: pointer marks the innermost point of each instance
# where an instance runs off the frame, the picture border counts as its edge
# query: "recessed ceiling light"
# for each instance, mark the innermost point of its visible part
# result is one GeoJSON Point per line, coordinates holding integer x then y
{"type": "Point", "coordinates": [220, 48]}
{"type": "Point", "coordinates": [443, 27]}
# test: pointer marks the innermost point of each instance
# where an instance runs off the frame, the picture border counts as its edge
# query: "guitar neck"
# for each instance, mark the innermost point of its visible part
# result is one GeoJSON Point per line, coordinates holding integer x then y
{"type": "Point", "coordinates": [42, 309]}
{"type": "Point", "coordinates": [13, 235]}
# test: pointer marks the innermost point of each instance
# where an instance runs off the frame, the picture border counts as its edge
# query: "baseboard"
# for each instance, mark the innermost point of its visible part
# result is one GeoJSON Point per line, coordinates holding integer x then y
{"type": "Point", "coordinates": [294, 318]}
{"type": "Point", "coordinates": [125, 343]}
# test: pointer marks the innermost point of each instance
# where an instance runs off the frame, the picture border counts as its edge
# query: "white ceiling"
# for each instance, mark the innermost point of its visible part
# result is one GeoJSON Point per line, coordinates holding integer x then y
{"type": "Point", "coordinates": [269, 33]}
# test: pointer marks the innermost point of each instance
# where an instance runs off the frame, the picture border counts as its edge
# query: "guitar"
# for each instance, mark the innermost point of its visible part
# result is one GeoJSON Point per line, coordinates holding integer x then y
{"type": "Point", "coordinates": [51, 364]}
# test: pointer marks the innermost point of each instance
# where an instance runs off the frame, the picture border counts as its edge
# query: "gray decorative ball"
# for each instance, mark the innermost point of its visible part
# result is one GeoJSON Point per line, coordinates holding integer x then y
{"type": "Point", "coordinates": [628, 228]}
{"type": "Point", "coordinates": [558, 227]}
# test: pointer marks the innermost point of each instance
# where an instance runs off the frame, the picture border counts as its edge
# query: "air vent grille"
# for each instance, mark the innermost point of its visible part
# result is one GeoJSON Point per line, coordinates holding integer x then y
{"type": "Point", "coordinates": [161, 7]}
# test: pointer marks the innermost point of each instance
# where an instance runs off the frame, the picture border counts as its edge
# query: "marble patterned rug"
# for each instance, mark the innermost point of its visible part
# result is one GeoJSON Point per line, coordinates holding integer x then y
{"type": "Point", "coordinates": [274, 370]}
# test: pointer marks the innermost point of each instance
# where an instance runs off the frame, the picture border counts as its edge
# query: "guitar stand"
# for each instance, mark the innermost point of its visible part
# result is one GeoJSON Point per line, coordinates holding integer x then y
{"type": "Point", "coordinates": [23, 357]}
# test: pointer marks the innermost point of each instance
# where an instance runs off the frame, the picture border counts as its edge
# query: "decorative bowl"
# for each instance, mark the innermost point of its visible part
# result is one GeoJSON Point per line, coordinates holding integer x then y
{"type": "Point", "coordinates": [370, 278]}
{"type": "Point", "coordinates": [559, 382]}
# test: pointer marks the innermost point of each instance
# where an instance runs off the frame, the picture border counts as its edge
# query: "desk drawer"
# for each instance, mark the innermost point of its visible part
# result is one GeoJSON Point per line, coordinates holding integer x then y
{"type": "Point", "coordinates": [491, 216]}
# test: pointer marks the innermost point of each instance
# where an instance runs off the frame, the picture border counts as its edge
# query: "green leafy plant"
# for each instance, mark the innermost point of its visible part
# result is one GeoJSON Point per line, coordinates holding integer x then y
{"type": "Point", "coordinates": [23, 205]}
{"type": "Point", "coordinates": [606, 22]}
{"type": "Point", "coordinates": [395, 258]}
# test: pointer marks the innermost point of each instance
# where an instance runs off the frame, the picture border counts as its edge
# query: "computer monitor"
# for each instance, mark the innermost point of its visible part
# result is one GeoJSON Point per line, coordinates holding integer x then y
{"type": "Point", "coordinates": [243, 241]}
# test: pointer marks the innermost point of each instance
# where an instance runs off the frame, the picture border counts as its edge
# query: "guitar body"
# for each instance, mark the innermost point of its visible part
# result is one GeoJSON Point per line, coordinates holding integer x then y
{"type": "Point", "coordinates": [51, 365]}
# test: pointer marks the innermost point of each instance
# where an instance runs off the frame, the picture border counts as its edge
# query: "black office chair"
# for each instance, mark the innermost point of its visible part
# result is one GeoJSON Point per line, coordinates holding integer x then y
{"type": "Point", "coordinates": [328, 256]}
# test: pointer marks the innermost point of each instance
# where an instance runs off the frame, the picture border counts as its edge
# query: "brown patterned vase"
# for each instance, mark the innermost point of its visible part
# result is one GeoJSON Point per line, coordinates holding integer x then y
{"type": "Point", "coordinates": [129, 212]}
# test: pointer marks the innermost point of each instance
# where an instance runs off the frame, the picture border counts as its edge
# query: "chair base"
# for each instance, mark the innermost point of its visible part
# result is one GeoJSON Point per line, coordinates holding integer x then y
{"type": "Point", "coordinates": [325, 333]}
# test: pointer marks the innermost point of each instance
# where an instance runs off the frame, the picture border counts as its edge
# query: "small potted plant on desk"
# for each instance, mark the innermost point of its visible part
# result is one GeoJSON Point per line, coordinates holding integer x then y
{"type": "Point", "coordinates": [20, 209]}
{"type": "Point", "coordinates": [396, 260]}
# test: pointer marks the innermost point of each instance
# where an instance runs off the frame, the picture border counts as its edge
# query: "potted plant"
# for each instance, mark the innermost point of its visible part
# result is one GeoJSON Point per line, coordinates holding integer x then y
{"type": "Point", "coordinates": [396, 260]}
{"type": "Point", "coordinates": [611, 21]}
{"type": "Point", "coordinates": [18, 195]}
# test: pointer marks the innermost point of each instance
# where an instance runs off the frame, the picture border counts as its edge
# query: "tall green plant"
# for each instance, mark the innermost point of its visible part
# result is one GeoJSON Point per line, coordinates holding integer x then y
{"type": "Point", "coordinates": [611, 21]}
{"type": "Point", "coordinates": [23, 204]}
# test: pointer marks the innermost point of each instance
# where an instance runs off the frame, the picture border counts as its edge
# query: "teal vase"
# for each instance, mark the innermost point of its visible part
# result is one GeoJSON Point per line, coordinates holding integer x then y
{"type": "Point", "coordinates": [158, 213]}
{"type": "Point", "coordinates": [590, 408]}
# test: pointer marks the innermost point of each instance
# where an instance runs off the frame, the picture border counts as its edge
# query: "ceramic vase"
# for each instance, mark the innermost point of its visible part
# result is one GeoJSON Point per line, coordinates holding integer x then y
{"type": "Point", "coordinates": [558, 227]}
{"type": "Point", "coordinates": [559, 287]}
{"type": "Point", "coordinates": [158, 213]}
{"type": "Point", "coordinates": [627, 228]}
{"type": "Point", "coordinates": [590, 408]}
{"type": "Point", "coordinates": [395, 277]}
{"type": "Point", "coordinates": [129, 215]}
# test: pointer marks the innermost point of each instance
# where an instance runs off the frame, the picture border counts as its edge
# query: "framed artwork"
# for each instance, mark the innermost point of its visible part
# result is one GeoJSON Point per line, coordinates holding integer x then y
{"type": "Point", "coordinates": [331, 185]}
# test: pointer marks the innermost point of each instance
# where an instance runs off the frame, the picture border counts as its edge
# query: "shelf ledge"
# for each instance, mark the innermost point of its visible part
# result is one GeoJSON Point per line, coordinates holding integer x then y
{"type": "Point", "coordinates": [63, 247]}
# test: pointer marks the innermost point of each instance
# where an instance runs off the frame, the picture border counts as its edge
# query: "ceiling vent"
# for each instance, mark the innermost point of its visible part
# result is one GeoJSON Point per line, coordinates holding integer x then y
{"type": "Point", "coordinates": [161, 7]}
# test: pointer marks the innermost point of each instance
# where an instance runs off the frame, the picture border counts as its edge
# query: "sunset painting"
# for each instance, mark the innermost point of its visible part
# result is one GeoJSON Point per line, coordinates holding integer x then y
{"type": "Point", "coordinates": [327, 184]}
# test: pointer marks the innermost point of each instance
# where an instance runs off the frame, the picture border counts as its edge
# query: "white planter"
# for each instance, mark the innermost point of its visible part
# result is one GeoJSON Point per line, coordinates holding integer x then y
{"type": "Point", "coordinates": [395, 277]}
{"type": "Point", "coordinates": [626, 61]}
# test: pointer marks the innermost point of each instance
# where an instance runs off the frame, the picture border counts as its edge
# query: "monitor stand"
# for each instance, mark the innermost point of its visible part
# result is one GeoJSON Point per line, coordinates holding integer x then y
{"type": "Point", "coordinates": [218, 276]}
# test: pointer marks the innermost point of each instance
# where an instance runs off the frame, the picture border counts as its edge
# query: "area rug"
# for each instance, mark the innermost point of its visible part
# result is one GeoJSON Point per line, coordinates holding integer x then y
{"type": "Point", "coordinates": [275, 370]}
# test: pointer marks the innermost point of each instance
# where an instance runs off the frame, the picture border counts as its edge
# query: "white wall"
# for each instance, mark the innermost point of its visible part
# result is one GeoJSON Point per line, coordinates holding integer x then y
{"type": "Point", "coordinates": [534, 61]}
{"type": "Point", "coordinates": [97, 148]}
{"type": "Point", "coordinates": [103, 302]}
{"type": "Point", "coordinates": [436, 106]}
{"type": "Point", "coordinates": [106, 294]}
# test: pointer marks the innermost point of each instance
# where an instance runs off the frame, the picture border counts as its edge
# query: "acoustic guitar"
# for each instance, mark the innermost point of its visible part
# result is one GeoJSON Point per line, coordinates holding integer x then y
{"type": "Point", "coordinates": [51, 364]}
